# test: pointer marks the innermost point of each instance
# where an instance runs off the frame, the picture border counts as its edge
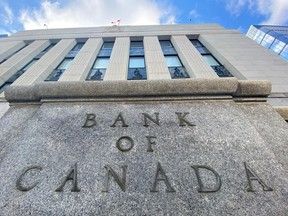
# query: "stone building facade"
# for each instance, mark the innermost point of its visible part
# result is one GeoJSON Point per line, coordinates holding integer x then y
{"type": "Point", "coordinates": [142, 120]}
{"type": "Point", "coordinates": [159, 52]}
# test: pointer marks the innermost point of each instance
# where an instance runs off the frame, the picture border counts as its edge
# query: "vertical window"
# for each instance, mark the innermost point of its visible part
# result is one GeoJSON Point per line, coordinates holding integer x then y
{"type": "Point", "coordinates": [100, 65]}
{"type": "Point", "coordinates": [137, 69]}
{"type": "Point", "coordinates": [284, 53]}
{"type": "Point", "coordinates": [267, 41]}
{"type": "Point", "coordinates": [211, 60]}
{"type": "Point", "coordinates": [25, 68]}
{"type": "Point", "coordinates": [56, 74]}
{"type": "Point", "coordinates": [277, 46]}
{"type": "Point", "coordinates": [175, 67]}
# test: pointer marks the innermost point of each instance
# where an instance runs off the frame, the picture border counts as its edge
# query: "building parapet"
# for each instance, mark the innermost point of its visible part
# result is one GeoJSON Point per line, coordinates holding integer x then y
{"type": "Point", "coordinates": [202, 88]}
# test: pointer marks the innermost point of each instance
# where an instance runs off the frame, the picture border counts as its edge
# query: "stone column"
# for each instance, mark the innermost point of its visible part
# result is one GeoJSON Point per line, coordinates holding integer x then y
{"type": "Point", "coordinates": [192, 60]}
{"type": "Point", "coordinates": [44, 66]}
{"type": "Point", "coordinates": [82, 63]}
{"type": "Point", "coordinates": [20, 59]}
{"type": "Point", "coordinates": [118, 63]}
{"type": "Point", "coordinates": [7, 48]}
{"type": "Point", "coordinates": [156, 66]}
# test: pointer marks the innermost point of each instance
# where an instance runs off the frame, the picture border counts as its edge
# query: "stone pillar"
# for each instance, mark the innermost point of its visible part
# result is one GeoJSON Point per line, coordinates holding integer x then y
{"type": "Point", "coordinates": [82, 63]}
{"type": "Point", "coordinates": [7, 48]}
{"type": "Point", "coordinates": [156, 66]}
{"type": "Point", "coordinates": [44, 66]}
{"type": "Point", "coordinates": [20, 59]}
{"type": "Point", "coordinates": [192, 60]}
{"type": "Point", "coordinates": [118, 63]}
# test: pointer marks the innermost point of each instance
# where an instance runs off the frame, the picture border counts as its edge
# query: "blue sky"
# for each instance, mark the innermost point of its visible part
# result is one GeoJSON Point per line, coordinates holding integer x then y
{"type": "Point", "coordinates": [16, 15]}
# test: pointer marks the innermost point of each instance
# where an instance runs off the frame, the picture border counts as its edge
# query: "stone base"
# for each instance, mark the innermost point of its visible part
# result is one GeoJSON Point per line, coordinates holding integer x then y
{"type": "Point", "coordinates": [46, 145]}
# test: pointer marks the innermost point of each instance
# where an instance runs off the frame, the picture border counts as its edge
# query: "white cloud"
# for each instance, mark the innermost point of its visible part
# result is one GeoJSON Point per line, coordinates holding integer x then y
{"type": "Point", "coordinates": [79, 13]}
{"type": "Point", "coordinates": [279, 15]}
{"type": "Point", "coordinates": [275, 11]}
{"type": "Point", "coordinates": [193, 14]}
{"type": "Point", "coordinates": [7, 15]}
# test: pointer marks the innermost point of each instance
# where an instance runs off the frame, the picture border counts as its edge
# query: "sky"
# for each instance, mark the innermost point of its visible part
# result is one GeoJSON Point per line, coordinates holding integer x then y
{"type": "Point", "coordinates": [17, 15]}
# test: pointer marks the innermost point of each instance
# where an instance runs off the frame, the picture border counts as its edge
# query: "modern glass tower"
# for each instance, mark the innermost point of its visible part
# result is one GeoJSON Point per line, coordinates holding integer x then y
{"type": "Point", "coordinates": [272, 37]}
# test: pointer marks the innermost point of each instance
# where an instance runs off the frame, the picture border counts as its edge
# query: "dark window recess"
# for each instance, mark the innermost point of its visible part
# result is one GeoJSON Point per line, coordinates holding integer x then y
{"type": "Point", "coordinates": [175, 67]}
{"type": "Point", "coordinates": [167, 48]}
{"type": "Point", "coordinates": [220, 70]}
{"type": "Point", "coordinates": [178, 72]}
{"type": "Point", "coordinates": [106, 49]}
{"type": "Point", "coordinates": [75, 50]}
{"type": "Point", "coordinates": [136, 48]}
{"type": "Point", "coordinates": [137, 74]}
{"type": "Point", "coordinates": [4, 86]}
{"type": "Point", "coordinates": [96, 74]}
{"type": "Point", "coordinates": [100, 65]}
{"type": "Point", "coordinates": [137, 69]}
{"type": "Point", "coordinates": [55, 75]}
{"type": "Point", "coordinates": [45, 51]}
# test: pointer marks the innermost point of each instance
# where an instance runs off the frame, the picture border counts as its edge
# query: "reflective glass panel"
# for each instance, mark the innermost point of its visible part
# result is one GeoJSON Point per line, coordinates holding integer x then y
{"type": "Point", "coordinates": [284, 52]}
{"type": "Point", "coordinates": [30, 64]}
{"type": "Point", "coordinates": [277, 46]}
{"type": "Point", "coordinates": [65, 64]}
{"type": "Point", "coordinates": [4, 86]}
{"type": "Point", "coordinates": [137, 74]}
{"type": "Point", "coordinates": [196, 43]}
{"type": "Point", "coordinates": [173, 61]}
{"type": "Point", "coordinates": [96, 74]}
{"type": "Point", "coordinates": [107, 45]}
{"type": "Point", "coordinates": [136, 44]}
{"type": "Point", "coordinates": [267, 40]}
{"type": "Point", "coordinates": [178, 72]}
{"type": "Point", "coordinates": [78, 47]}
{"type": "Point", "coordinates": [165, 44]}
{"type": "Point", "coordinates": [210, 60]}
{"type": "Point", "coordinates": [259, 36]}
{"type": "Point", "coordinates": [136, 62]}
{"type": "Point", "coordinates": [101, 63]}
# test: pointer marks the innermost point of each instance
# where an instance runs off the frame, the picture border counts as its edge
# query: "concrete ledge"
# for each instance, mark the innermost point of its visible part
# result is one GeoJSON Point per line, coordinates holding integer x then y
{"type": "Point", "coordinates": [283, 111]}
{"type": "Point", "coordinates": [136, 89]}
{"type": "Point", "coordinates": [253, 88]}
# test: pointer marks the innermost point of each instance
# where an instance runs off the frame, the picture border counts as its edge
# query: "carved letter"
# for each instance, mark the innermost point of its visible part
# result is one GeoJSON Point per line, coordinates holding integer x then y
{"type": "Point", "coordinates": [121, 119]}
{"type": "Point", "coordinates": [119, 141]}
{"type": "Point", "coordinates": [150, 143]}
{"type": "Point", "coordinates": [90, 120]}
{"type": "Point", "coordinates": [72, 175]}
{"type": "Point", "coordinates": [146, 116]}
{"type": "Point", "coordinates": [161, 176]}
{"type": "Point", "coordinates": [18, 182]}
{"type": "Point", "coordinates": [182, 120]}
{"type": "Point", "coordinates": [120, 182]}
{"type": "Point", "coordinates": [251, 175]}
{"type": "Point", "coordinates": [201, 188]}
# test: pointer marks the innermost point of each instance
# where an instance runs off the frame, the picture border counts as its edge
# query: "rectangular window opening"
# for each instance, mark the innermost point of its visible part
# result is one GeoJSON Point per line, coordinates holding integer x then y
{"type": "Point", "coordinates": [137, 68]}
{"type": "Point", "coordinates": [101, 63]}
{"type": "Point", "coordinates": [175, 66]}
{"type": "Point", "coordinates": [219, 69]}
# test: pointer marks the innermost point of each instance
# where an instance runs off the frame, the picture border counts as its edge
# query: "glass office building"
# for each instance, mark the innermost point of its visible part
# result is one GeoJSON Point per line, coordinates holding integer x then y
{"type": "Point", "coordinates": [272, 37]}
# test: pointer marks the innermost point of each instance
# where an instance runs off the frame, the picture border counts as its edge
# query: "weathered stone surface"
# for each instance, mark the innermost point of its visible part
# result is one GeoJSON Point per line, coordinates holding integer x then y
{"type": "Point", "coordinates": [225, 136]}
{"type": "Point", "coordinates": [139, 88]}
{"type": "Point", "coordinates": [283, 111]}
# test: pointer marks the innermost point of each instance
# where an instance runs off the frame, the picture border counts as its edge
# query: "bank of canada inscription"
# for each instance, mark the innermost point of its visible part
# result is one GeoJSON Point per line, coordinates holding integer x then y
{"type": "Point", "coordinates": [159, 176]}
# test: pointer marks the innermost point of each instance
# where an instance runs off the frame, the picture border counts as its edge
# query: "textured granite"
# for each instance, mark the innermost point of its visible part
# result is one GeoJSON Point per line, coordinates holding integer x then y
{"type": "Point", "coordinates": [124, 89]}
{"type": "Point", "coordinates": [225, 136]}
{"type": "Point", "coordinates": [283, 111]}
